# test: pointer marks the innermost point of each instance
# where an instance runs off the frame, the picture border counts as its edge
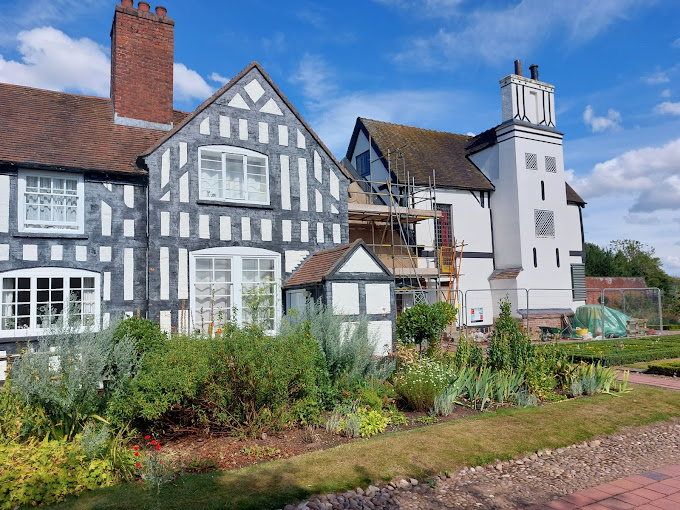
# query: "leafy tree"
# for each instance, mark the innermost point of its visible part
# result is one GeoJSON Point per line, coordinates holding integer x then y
{"type": "Point", "coordinates": [423, 322]}
{"type": "Point", "coordinates": [630, 258]}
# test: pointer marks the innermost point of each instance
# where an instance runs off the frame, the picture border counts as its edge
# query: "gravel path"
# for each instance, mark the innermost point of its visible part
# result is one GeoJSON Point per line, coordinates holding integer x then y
{"type": "Point", "coordinates": [538, 478]}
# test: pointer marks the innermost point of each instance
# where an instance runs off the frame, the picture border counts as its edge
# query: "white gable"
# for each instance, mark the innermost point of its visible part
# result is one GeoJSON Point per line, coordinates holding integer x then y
{"type": "Point", "coordinates": [360, 262]}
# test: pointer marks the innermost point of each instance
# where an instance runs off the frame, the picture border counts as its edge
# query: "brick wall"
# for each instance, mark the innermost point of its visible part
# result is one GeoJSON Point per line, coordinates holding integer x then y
{"type": "Point", "coordinates": [141, 64]}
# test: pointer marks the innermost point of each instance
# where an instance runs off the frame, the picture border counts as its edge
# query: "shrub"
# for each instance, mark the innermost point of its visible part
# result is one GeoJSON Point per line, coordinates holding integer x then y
{"type": "Point", "coordinates": [64, 374]}
{"type": "Point", "coordinates": [419, 382]}
{"type": "Point", "coordinates": [243, 380]}
{"type": "Point", "coordinates": [45, 472]}
{"type": "Point", "coordinates": [425, 322]}
{"type": "Point", "coordinates": [509, 347]}
{"type": "Point", "coordinates": [145, 334]}
{"type": "Point", "coordinates": [468, 354]}
{"type": "Point", "coordinates": [354, 420]}
{"type": "Point", "coordinates": [670, 368]}
{"type": "Point", "coordinates": [347, 348]}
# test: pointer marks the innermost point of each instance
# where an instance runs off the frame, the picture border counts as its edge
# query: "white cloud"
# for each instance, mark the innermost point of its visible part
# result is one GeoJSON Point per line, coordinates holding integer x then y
{"type": "Point", "coordinates": [668, 107]}
{"type": "Point", "coordinates": [666, 93]}
{"type": "Point", "coordinates": [597, 124]}
{"type": "Point", "coordinates": [504, 33]}
{"type": "Point", "coordinates": [428, 8]}
{"type": "Point", "coordinates": [333, 112]}
{"type": "Point", "coordinates": [316, 78]}
{"type": "Point", "coordinates": [52, 60]}
{"type": "Point", "coordinates": [218, 78]}
{"type": "Point", "coordinates": [676, 43]}
{"type": "Point", "coordinates": [649, 175]}
{"type": "Point", "coordinates": [641, 219]}
{"type": "Point", "coordinates": [189, 85]}
{"type": "Point", "coordinates": [656, 78]}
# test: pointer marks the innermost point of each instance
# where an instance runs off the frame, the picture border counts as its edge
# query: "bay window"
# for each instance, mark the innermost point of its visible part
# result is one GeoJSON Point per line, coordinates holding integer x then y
{"type": "Point", "coordinates": [36, 300]}
{"type": "Point", "coordinates": [232, 174]}
{"type": "Point", "coordinates": [234, 284]}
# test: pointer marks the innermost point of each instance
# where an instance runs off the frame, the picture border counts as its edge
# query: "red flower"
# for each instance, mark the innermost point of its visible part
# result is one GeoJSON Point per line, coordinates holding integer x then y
{"type": "Point", "coordinates": [138, 464]}
{"type": "Point", "coordinates": [158, 447]}
{"type": "Point", "coordinates": [136, 447]}
{"type": "Point", "coordinates": [147, 437]}
{"type": "Point", "coordinates": [160, 462]}
{"type": "Point", "coordinates": [153, 442]}
{"type": "Point", "coordinates": [136, 454]}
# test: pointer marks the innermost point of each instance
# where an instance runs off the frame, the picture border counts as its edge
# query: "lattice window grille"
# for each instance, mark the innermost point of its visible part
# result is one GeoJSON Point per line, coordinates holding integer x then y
{"type": "Point", "coordinates": [545, 223]}
{"type": "Point", "coordinates": [550, 164]}
{"type": "Point", "coordinates": [531, 161]}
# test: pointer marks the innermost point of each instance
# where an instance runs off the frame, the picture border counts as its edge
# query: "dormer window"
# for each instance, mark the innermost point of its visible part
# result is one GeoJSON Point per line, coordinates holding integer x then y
{"type": "Point", "coordinates": [50, 202]}
{"type": "Point", "coordinates": [232, 174]}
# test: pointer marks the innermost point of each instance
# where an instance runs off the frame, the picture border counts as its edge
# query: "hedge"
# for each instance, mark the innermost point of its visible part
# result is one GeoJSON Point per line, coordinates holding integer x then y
{"type": "Point", "coordinates": [624, 351]}
{"type": "Point", "coordinates": [671, 368]}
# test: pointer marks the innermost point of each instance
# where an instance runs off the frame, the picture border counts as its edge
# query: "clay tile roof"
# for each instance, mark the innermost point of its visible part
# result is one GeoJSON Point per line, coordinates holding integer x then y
{"type": "Point", "coordinates": [51, 129]}
{"type": "Point", "coordinates": [319, 265]}
{"type": "Point", "coordinates": [504, 274]}
{"type": "Point", "coordinates": [573, 197]}
{"type": "Point", "coordinates": [426, 150]}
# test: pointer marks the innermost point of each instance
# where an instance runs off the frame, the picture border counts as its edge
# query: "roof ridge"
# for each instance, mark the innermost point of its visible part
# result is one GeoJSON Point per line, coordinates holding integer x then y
{"type": "Point", "coordinates": [416, 127]}
{"type": "Point", "coordinates": [50, 91]}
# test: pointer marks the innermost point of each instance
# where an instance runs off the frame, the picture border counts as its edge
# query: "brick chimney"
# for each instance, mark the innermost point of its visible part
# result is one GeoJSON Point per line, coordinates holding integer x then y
{"type": "Point", "coordinates": [142, 49]}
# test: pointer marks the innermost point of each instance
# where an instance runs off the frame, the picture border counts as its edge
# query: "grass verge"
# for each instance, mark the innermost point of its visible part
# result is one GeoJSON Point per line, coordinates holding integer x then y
{"type": "Point", "coordinates": [417, 453]}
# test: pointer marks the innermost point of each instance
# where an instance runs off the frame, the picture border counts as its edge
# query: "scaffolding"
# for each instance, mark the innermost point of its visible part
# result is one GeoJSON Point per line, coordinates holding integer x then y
{"type": "Point", "coordinates": [385, 211]}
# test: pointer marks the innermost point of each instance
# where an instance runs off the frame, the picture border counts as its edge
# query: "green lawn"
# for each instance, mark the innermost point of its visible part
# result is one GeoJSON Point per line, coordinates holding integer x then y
{"type": "Point", "coordinates": [623, 351]}
{"type": "Point", "coordinates": [418, 453]}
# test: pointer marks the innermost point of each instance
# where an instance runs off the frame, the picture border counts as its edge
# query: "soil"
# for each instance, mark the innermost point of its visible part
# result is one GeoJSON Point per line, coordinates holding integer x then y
{"type": "Point", "coordinates": [200, 453]}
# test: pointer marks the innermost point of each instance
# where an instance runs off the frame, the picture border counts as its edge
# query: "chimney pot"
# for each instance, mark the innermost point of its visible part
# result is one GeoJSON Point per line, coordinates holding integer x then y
{"type": "Point", "coordinates": [161, 11]}
{"type": "Point", "coordinates": [534, 72]}
{"type": "Point", "coordinates": [126, 3]}
{"type": "Point", "coordinates": [143, 6]}
{"type": "Point", "coordinates": [518, 67]}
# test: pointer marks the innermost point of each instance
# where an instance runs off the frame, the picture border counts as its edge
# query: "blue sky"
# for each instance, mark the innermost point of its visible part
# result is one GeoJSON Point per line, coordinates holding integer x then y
{"type": "Point", "coordinates": [429, 63]}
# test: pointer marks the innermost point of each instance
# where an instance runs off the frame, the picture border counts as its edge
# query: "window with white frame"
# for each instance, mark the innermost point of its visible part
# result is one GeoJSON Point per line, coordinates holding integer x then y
{"type": "Point", "coordinates": [233, 174]}
{"type": "Point", "coordinates": [50, 202]}
{"type": "Point", "coordinates": [233, 284]}
{"type": "Point", "coordinates": [35, 300]}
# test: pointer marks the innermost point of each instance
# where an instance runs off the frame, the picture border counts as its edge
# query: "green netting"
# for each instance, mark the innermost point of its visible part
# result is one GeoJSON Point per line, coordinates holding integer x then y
{"type": "Point", "coordinates": [590, 316]}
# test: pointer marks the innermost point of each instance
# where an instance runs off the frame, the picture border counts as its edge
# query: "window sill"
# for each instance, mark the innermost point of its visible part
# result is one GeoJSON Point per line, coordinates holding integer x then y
{"type": "Point", "coordinates": [222, 203]}
{"type": "Point", "coordinates": [51, 235]}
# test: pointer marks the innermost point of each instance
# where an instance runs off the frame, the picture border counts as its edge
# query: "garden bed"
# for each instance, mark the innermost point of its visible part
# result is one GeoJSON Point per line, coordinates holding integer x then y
{"type": "Point", "coordinates": [200, 453]}
{"type": "Point", "coordinates": [624, 351]}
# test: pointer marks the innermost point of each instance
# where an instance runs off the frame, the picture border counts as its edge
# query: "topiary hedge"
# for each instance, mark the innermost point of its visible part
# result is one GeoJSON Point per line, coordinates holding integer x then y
{"type": "Point", "coordinates": [671, 368]}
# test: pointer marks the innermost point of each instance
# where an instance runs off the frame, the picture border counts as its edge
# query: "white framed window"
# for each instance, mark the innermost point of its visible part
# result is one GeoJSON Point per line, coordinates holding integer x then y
{"type": "Point", "coordinates": [50, 202]}
{"type": "Point", "coordinates": [231, 283]}
{"type": "Point", "coordinates": [35, 300]}
{"type": "Point", "coordinates": [233, 174]}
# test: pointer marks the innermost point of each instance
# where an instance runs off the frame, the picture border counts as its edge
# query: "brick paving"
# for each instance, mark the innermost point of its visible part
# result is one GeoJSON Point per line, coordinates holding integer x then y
{"type": "Point", "coordinates": [652, 490]}
{"type": "Point", "coordinates": [660, 381]}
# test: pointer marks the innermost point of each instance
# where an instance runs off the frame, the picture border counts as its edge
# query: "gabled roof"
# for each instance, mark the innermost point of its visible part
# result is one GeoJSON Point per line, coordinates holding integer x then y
{"type": "Point", "coordinates": [231, 83]}
{"type": "Point", "coordinates": [55, 130]}
{"type": "Point", "coordinates": [323, 264]}
{"type": "Point", "coordinates": [424, 150]}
